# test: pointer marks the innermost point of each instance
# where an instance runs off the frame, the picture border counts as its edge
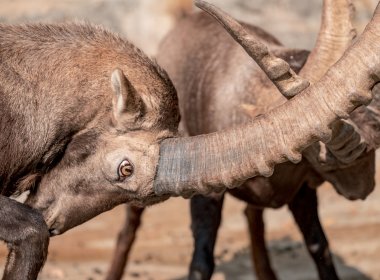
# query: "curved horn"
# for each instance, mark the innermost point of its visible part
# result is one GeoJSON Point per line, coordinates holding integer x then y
{"type": "Point", "coordinates": [336, 33]}
{"type": "Point", "coordinates": [209, 162]}
{"type": "Point", "coordinates": [277, 70]}
{"type": "Point", "coordinates": [334, 37]}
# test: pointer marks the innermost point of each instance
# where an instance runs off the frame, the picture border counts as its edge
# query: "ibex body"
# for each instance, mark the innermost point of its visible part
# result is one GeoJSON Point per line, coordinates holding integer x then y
{"type": "Point", "coordinates": [219, 87]}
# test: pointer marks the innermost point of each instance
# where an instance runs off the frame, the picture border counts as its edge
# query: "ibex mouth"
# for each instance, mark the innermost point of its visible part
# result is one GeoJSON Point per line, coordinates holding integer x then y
{"type": "Point", "coordinates": [54, 232]}
{"type": "Point", "coordinates": [50, 215]}
{"type": "Point", "coordinates": [55, 226]}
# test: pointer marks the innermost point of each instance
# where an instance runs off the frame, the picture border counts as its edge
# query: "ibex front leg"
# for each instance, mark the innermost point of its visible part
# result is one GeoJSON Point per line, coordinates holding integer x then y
{"type": "Point", "coordinates": [27, 236]}
{"type": "Point", "coordinates": [259, 251]}
{"type": "Point", "coordinates": [125, 241]}
{"type": "Point", "coordinates": [206, 215]}
{"type": "Point", "coordinates": [304, 208]}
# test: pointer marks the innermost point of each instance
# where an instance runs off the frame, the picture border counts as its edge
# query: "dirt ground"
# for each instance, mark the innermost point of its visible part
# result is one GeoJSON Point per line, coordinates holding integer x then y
{"type": "Point", "coordinates": [164, 244]}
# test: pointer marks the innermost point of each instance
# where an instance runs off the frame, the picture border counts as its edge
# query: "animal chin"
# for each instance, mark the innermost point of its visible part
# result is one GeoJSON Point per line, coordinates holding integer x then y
{"type": "Point", "coordinates": [150, 200]}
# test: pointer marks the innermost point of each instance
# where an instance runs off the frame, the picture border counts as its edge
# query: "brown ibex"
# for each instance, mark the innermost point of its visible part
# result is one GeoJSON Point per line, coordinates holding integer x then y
{"type": "Point", "coordinates": [81, 150]}
{"type": "Point", "coordinates": [217, 85]}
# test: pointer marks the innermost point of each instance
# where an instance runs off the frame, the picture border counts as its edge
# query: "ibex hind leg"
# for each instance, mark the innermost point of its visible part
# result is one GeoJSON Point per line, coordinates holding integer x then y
{"type": "Point", "coordinates": [205, 217]}
{"type": "Point", "coordinates": [259, 252]}
{"type": "Point", "coordinates": [27, 236]}
{"type": "Point", "coordinates": [125, 241]}
{"type": "Point", "coordinates": [304, 208]}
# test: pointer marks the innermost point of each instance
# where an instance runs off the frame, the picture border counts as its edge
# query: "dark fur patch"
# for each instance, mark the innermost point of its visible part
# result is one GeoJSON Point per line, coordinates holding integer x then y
{"type": "Point", "coordinates": [81, 147]}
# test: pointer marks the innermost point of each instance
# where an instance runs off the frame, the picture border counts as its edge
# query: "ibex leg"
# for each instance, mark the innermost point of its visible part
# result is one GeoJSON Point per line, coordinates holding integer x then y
{"type": "Point", "coordinates": [27, 236]}
{"type": "Point", "coordinates": [125, 241]}
{"type": "Point", "coordinates": [259, 251]}
{"type": "Point", "coordinates": [304, 208]}
{"type": "Point", "coordinates": [206, 217]}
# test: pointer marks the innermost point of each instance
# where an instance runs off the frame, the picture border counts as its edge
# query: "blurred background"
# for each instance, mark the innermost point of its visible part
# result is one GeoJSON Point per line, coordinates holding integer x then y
{"type": "Point", "coordinates": [164, 244]}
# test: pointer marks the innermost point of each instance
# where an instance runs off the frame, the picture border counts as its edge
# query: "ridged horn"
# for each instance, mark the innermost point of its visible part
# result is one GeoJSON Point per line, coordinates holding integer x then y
{"type": "Point", "coordinates": [277, 70]}
{"type": "Point", "coordinates": [335, 35]}
{"type": "Point", "coordinates": [210, 162]}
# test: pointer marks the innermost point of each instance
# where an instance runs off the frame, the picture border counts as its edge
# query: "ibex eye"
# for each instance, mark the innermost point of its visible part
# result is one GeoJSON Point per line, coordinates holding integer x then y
{"type": "Point", "coordinates": [125, 169]}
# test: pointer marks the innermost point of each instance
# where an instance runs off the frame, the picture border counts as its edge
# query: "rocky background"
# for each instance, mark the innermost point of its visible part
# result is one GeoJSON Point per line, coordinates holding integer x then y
{"type": "Point", "coordinates": [145, 22]}
{"type": "Point", "coordinates": [164, 245]}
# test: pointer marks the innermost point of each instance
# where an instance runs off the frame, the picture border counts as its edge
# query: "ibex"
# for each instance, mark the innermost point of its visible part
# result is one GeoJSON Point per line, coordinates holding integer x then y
{"type": "Point", "coordinates": [220, 87]}
{"type": "Point", "coordinates": [81, 149]}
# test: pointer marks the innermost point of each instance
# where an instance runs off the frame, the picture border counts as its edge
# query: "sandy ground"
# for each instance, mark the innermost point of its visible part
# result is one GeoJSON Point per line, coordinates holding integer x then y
{"type": "Point", "coordinates": [164, 244]}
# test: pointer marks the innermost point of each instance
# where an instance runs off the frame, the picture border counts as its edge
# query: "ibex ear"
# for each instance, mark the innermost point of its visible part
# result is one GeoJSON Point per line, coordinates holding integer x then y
{"type": "Point", "coordinates": [126, 102]}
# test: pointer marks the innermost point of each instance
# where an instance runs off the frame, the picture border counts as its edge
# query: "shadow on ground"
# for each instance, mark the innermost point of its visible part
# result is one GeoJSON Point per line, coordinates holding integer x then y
{"type": "Point", "coordinates": [290, 261]}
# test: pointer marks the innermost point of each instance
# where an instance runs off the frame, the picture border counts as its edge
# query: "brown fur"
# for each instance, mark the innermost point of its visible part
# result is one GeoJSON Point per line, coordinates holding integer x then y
{"type": "Point", "coordinates": [55, 116]}
{"type": "Point", "coordinates": [60, 138]}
